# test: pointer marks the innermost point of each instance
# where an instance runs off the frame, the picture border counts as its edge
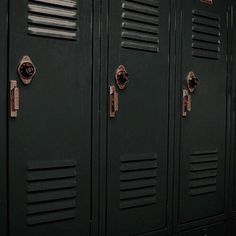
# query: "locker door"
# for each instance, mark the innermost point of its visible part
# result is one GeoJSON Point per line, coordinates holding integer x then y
{"type": "Point", "coordinates": [204, 78]}
{"type": "Point", "coordinates": [138, 131]}
{"type": "Point", "coordinates": [49, 139]}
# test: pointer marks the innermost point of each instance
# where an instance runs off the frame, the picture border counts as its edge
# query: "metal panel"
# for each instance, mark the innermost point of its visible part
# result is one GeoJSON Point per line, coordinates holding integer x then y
{"type": "Point", "coordinates": [137, 167]}
{"type": "Point", "coordinates": [202, 143]}
{"type": "Point", "coordinates": [50, 139]}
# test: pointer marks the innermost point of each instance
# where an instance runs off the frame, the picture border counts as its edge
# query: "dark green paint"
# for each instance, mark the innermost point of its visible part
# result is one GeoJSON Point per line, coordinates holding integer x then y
{"type": "Point", "coordinates": [63, 116]}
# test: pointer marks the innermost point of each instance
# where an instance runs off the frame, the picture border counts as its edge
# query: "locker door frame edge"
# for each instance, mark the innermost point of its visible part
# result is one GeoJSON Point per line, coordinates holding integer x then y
{"type": "Point", "coordinates": [3, 117]}
{"type": "Point", "coordinates": [232, 160]}
{"type": "Point", "coordinates": [103, 117]}
{"type": "Point", "coordinates": [96, 78]}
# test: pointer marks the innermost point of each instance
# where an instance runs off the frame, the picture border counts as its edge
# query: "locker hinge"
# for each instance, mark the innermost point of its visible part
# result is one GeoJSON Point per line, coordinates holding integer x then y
{"type": "Point", "coordinates": [114, 102]}
{"type": "Point", "coordinates": [14, 98]}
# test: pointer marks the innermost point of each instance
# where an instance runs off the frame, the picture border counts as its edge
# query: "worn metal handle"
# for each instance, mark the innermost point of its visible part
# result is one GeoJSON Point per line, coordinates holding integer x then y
{"type": "Point", "coordinates": [186, 103]}
{"type": "Point", "coordinates": [114, 101]}
{"type": "Point", "coordinates": [14, 98]}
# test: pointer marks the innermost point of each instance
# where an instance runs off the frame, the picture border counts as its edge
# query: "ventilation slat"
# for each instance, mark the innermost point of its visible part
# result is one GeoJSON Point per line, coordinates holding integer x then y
{"type": "Point", "coordinates": [207, 55]}
{"type": "Point", "coordinates": [138, 193]}
{"type": "Point", "coordinates": [208, 152]}
{"type": "Point", "coordinates": [127, 5]}
{"type": "Point", "coordinates": [52, 33]}
{"type": "Point", "coordinates": [140, 25]}
{"type": "Point", "coordinates": [44, 165]}
{"type": "Point", "coordinates": [206, 30]}
{"type": "Point", "coordinates": [65, 3]}
{"type": "Point", "coordinates": [203, 190]}
{"type": "Point", "coordinates": [138, 183]}
{"type": "Point", "coordinates": [51, 217]}
{"type": "Point", "coordinates": [206, 35]}
{"type": "Point", "coordinates": [206, 38]}
{"type": "Point", "coordinates": [51, 191]}
{"type": "Point", "coordinates": [51, 196]}
{"type": "Point", "coordinates": [203, 172]}
{"type": "Point", "coordinates": [52, 206]}
{"type": "Point", "coordinates": [208, 15]}
{"type": "Point", "coordinates": [206, 22]}
{"type": "Point", "coordinates": [139, 36]}
{"type": "Point", "coordinates": [53, 11]}
{"type": "Point", "coordinates": [51, 174]}
{"type": "Point", "coordinates": [205, 46]}
{"type": "Point", "coordinates": [138, 175]}
{"type": "Point", "coordinates": [205, 166]}
{"type": "Point", "coordinates": [141, 18]}
{"type": "Point", "coordinates": [137, 202]}
{"type": "Point", "coordinates": [128, 185]}
{"type": "Point", "coordinates": [56, 19]}
{"type": "Point", "coordinates": [138, 166]}
{"type": "Point", "coordinates": [138, 157]}
{"type": "Point", "coordinates": [54, 184]}
{"type": "Point", "coordinates": [154, 3]}
{"type": "Point", "coordinates": [203, 182]}
{"type": "Point", "coordinates": [203, 159]}
{"type": "Point", "coordinates": [49, 21]}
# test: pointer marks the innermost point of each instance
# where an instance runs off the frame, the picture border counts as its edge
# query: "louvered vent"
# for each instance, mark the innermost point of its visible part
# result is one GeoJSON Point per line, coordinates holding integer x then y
{"type": "Point", "coordinates": [140, 25]}
{"type": "Point", "coordinates": [203, 172]}
{"type": "Point", "coordinates": [53, 18]}
{"type": "Point", "coordinates": [138, 182]}
{"type": "Point", "coordinates": [206, 35]}
{"type": "Point", "coordinates": [51, 192]}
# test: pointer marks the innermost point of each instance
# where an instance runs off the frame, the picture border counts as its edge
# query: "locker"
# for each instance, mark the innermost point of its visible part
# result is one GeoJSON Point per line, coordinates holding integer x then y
{"type": "Point", "coordinates": [137, 159]}
{"type": "Point", "coordinates": [203, 128]}
{"type": "Point", "coordinates": [117, 117]}
{"type": "Point", "coordinates": [49, 125]}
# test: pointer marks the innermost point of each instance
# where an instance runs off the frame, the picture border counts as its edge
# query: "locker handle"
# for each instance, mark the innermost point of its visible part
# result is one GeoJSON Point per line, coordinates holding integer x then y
{"type": "Point", "coordinates": [186, 103]}
{"type": "Point", "coordinates": [114, 101]}
{"type": "Point", "coordinates": [14, 98]}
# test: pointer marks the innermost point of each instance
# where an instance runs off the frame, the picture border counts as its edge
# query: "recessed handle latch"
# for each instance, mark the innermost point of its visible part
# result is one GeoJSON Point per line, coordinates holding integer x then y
{"type": "Point", "coordinates": [114, 101]}
{"type": "Point", "coordinates": [186, 100]}
{"type": "Point", "coordinates": [14, 98]}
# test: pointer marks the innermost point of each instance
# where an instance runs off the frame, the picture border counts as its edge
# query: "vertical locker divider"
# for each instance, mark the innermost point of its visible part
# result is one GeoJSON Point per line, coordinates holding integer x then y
{"type": "Point", "coordinates": [96, 81]}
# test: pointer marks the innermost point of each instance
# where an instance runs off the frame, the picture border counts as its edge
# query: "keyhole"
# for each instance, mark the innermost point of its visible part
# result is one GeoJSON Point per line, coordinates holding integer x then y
{"type": "Point", "coordinates": [122, 78]}
{"type": "Point", "coordinates": [27, 70]}
{"type": "Point", "coordinates": [192, 82]}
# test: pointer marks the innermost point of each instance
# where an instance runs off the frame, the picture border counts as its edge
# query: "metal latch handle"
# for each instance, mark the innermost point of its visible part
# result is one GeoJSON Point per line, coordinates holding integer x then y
{"type": "Point", "coordinates": [114, 101]}
{"type": "Point", "coordinates": [14, 98]}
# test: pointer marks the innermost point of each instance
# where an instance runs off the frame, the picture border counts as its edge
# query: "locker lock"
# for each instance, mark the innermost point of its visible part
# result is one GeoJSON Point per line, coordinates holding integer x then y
{"type": "Point", "coordinates": [26, 70]}
{"type": "Point", "coordinates": [192, 82]}
{"type": "Point", "coordinates": [121, 77]}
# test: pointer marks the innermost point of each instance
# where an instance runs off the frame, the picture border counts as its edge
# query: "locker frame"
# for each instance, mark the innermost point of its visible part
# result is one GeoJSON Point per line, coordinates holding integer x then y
{"type": "Point", "coordinates": [3, 111]}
